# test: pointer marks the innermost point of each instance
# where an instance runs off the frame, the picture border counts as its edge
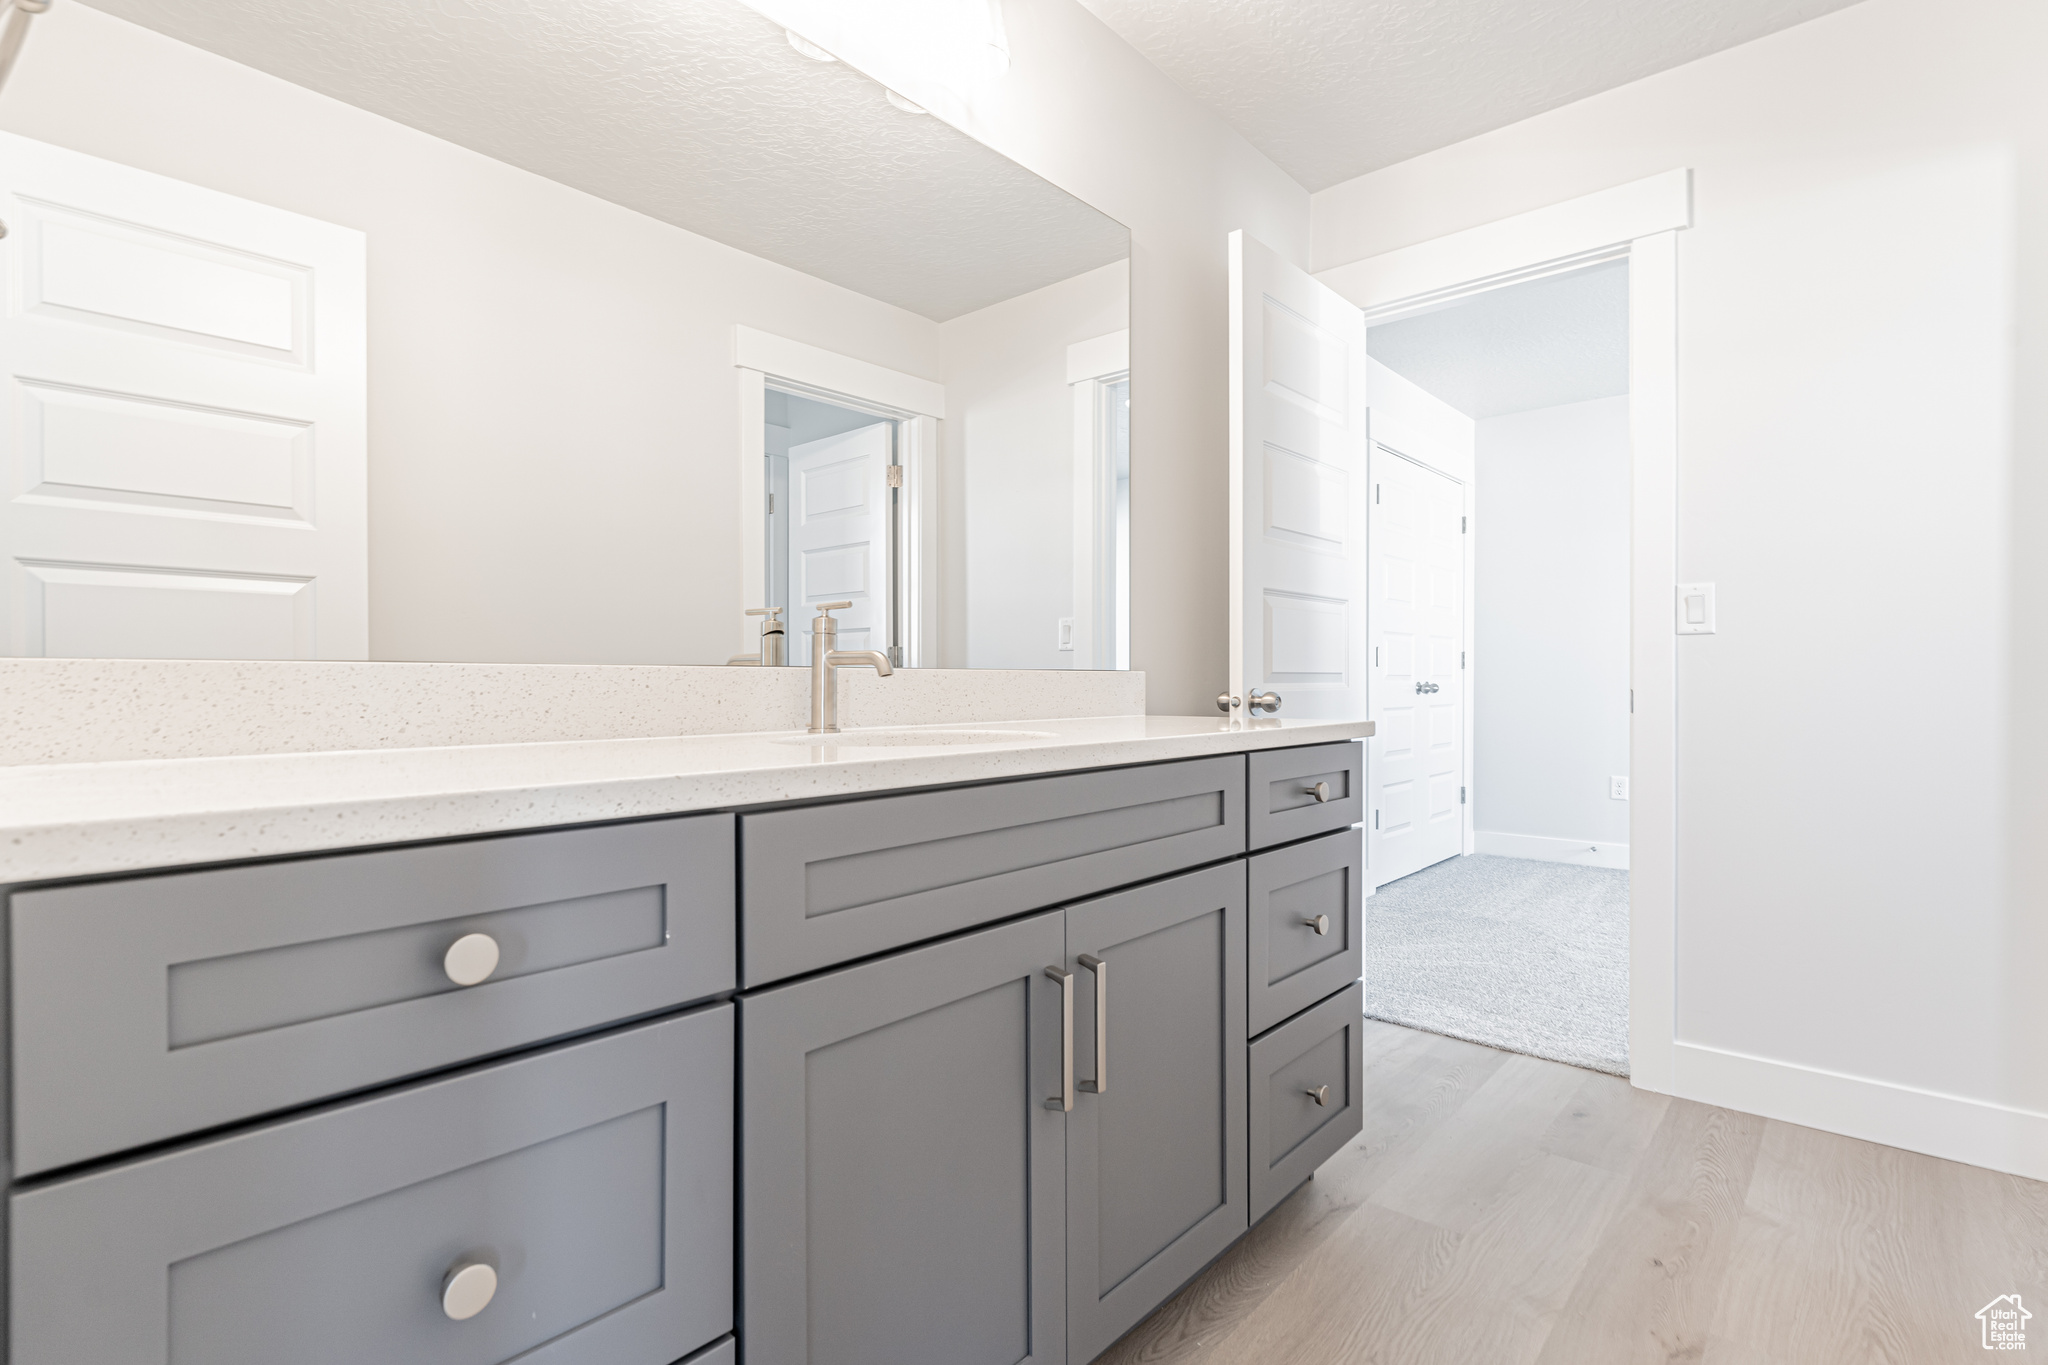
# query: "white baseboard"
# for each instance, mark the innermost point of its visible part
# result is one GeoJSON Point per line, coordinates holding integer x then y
{"type": "Point", "coordinates": [1546, 849]}
{"type": "Point", "coordinates": [1970, 1131]}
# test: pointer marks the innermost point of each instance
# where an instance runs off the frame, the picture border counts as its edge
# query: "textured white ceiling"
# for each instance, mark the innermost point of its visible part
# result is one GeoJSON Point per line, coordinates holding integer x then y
{"type": "Point", "coordinates": [1558, 340]}
{"type": "Point", "coordinates": [696, 112]}
{"type": "Point", "coordinates": [1331, 89]}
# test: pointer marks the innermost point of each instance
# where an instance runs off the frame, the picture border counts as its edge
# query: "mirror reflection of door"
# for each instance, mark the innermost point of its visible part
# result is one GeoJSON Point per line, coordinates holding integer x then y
{"type": "Point", "coordinates": [828, 514]}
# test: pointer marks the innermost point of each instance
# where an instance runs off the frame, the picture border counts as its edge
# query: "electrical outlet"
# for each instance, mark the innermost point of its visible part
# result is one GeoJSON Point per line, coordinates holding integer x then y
{"type": "Point", "coordinates": [1617, 787]}
{"type": "Point", "coordinates": [1067, 633]}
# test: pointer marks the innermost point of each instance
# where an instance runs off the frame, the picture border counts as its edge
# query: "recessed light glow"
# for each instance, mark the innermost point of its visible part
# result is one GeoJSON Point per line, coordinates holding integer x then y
{"type": "Point", "coordinates": [808, 48]}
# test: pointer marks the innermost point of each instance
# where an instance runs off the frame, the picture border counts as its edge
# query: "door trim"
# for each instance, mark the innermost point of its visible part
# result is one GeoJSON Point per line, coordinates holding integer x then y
{"type": "Point", "coordinates": [1639, 220]}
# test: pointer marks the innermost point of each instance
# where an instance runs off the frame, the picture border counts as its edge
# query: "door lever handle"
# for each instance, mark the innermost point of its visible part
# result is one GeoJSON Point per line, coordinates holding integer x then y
{"type": "Point", "coordinates": [1064, 1101]}
{"type": "Point", "coordinates": [1100, 1085]}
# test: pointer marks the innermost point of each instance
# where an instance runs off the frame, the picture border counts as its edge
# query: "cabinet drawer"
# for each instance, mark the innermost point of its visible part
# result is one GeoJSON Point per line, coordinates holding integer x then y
{"type": "Point", "coordinates": [1293, 892]}
{"type": "Point", "coordinates": [1282, 803]}
{"type": "Point", "coordinates": [156, 1006]}
{"type": "Point", "coordinates": [827, 884]}
{"type": "Point", "coordinates": [596, 1179]}
{"type": "Point", "coordinates": [1291, 1134]}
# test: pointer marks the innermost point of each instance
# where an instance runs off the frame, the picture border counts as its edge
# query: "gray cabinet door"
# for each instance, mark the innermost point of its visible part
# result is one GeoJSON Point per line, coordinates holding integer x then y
{"type": "Point", "coordinates": [595, 1179]}
{"type": "Point", "coordinates": [901, 1196]}
{"type": "Point", "coordinates": [1155, 1158]}
{"type": "Point", "coordinates": [1306, 1077]}
{"type": "Point", "coordinates": [827, 884]}
{"type": "Point", "coordinates": [154, 1006]}
{"type": "Point", "coordinates": [1306, 921]}
{"type": "Point", "coordinates": [1294, 793]}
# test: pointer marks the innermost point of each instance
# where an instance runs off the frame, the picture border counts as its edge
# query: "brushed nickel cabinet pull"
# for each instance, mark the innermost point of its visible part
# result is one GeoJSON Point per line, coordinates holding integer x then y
{"type": "Point", "coordinates": [1321, 1094]}
{"type": "Point", "coordinates": [1320, 791]}
{"type": "Point", "coordinates": [1064, 1101]}
{"type": "Point", "coordinates": [1100, 1085]}
{"type": "Point", "coordinates": [1319, 923]}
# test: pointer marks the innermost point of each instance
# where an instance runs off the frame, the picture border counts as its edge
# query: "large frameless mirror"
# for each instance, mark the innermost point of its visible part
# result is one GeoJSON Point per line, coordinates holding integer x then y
{"type": "Point", "coordinates": [494, 335]}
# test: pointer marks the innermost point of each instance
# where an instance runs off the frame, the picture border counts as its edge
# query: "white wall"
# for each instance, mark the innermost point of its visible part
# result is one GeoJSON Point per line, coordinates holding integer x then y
{"type": "Point", "coordinates": [1085, 111]}
{"type": "Point", "coordinates": [551, 383]}
{"type": "Point", "coordinates": [1550, 658]}
{"type": "Point", "coordinates": [1863, 418]}
{"type": "Point", "coordinates": [1007, 566]}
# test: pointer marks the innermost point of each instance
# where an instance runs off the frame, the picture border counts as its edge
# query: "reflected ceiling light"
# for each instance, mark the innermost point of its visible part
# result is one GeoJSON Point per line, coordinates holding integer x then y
{"type": "Point", "coordinates": [808, 48]}
{"type": "Point", "coordinates": [901, 103]}
{"type": "Point", "coordinates": [16, 32]}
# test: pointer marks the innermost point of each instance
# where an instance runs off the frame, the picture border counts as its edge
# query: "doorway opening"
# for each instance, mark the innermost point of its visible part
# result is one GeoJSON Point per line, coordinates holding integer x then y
{"type": "Point", "coordinates": [1499, 590]}
{"type": "Point", "coordinates": [833, 519]}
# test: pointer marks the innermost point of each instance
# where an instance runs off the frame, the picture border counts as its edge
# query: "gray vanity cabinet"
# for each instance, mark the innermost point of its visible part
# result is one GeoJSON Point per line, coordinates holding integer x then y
{"type": "Point", "coordinates": [902, 1175]}
{"type": "Point", "coordinates": [148, 1007]}
{"type": "Point", "coordinates": [594, 1179]}
{"type": "Point", "coordinates": [1296, 793]}
{"type": "Point", "coordinates": [1156, 1167]}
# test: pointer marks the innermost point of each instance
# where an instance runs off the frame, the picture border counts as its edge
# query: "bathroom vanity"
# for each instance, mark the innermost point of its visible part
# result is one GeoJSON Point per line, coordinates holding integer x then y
{"type": "Point", "coordinates": [924, 1050]}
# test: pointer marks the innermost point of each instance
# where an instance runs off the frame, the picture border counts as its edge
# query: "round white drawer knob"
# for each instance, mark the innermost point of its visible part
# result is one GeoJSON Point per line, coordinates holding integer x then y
{"type": "Point", "coordinates": [471, 958]}
{"type": "Point", "coordinates": [468, 1290]}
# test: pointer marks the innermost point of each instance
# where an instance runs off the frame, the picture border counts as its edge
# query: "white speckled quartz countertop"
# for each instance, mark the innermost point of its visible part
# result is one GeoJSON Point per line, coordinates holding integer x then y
{"type": "Point", "coordinates": [88, 819]}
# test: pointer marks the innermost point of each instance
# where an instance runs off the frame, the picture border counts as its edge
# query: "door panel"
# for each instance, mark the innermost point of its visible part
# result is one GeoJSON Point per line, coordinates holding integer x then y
{"type": "Point", "coordinates": [1418, 595]}
{"type": "Point", "coordinates": [902, 1198]}
{"type": "Point", "coordinates": [1298, 468]}
{"type": "Point", "coordinates": [1155, 1160]}
{"type": "Point", "coordinates": [839, 537]}
{"type": "Point", "coordinates": [182, 420]}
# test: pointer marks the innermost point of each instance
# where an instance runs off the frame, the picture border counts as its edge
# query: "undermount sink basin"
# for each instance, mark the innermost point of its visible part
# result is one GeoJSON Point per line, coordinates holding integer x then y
{"type": "Point", "coordinates": [918, 739]}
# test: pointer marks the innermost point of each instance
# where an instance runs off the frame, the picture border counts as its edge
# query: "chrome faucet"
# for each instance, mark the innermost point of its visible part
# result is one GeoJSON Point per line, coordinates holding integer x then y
{"type": "Point", "coordinates": [774, 642]}
{"type": "Point", "coordinates": [826, 663]}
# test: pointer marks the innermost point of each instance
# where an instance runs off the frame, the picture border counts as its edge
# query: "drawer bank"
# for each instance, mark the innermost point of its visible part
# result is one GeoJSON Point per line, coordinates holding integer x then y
{"type": "Point", "coordinates": [977, 1073]}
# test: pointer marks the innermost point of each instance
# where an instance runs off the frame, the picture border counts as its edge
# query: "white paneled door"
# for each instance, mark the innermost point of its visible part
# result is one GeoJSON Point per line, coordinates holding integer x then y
{"type": "Point", "coordinates": [1418, 627]}
{"type": "Point", "coordinates": [839, 537]}
{"type": "Point", "coordinates": [1298, 471]}
{"type": "Point", "coordinates": [182, 420]}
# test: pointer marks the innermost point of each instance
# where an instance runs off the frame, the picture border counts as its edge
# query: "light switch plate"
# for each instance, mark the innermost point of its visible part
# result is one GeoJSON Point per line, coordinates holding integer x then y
{"type": "Point", "coordinates": [1695, 604]}
{"type": "Point", "coordinates": [1066, 633]}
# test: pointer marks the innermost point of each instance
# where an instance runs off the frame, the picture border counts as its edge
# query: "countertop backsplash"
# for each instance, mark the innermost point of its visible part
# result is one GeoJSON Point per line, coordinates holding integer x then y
{"type": "Point", "coordinates": [108, 710]}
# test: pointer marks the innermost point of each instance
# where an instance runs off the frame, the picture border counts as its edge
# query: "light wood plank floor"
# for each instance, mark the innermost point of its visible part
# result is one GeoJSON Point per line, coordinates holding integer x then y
{"type": "Point", "coordinates": [1498, 1209]}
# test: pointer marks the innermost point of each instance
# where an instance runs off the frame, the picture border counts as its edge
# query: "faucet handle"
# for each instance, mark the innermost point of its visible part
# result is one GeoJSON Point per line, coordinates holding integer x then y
{"type": "Point", "coordinates": [824, 607]}
{"type": "Point", "coordinates": [770, 612]}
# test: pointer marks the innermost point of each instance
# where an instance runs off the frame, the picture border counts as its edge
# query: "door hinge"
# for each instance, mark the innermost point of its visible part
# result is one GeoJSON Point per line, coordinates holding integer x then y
{"type": "Point", "coordinates": [1461, 658]}
{"type": "Point", "coordinates": [895, 476]}
{"type": "Point", "coordinates": [1375, 656]}
{"type": "Point", "coordinates": [1375, 495]}
{"type": "Point", "coordinates": [771, 504]}
{"type": "Point", "coordinates": [1461, 526]}
{"type": "Point", "coordinates": [1461, 796]}
{"type": "Point", "coordinates": [1375, 819]}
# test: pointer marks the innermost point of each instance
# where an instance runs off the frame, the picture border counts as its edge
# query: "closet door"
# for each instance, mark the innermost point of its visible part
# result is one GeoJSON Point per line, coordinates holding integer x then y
{"type": "Point", "coordinates": [1156, 1173]}
{"type": "Point", "coordinates": [901, 1196]}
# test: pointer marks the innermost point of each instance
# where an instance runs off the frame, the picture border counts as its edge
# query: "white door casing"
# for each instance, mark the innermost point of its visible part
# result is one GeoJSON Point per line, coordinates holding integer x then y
{"type": "Point", "coordinates": [1298, 443]}
{"type": "Point", "coordinates": [839, 537]}
{"type": "Point", "coordinates": [1093, 369]}
{"type": "Point", "coordinates": [182, 420]}
{"type": "Point", "coordinates": [1416, 778]}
